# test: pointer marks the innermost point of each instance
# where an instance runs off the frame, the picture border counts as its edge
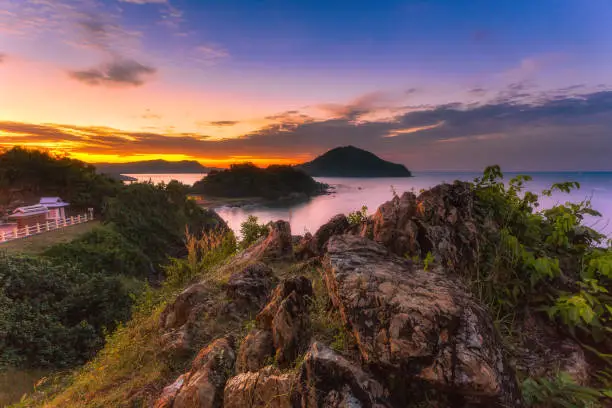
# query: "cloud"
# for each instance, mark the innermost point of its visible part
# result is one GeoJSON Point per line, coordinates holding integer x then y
{"type": "Point", "coordinates": [145, 1]}
{"type": "Point", "coordinates": [118, 72]}
{"type": "Point", "coordinates": [150, 115]}
{"type": "Point", "coordinates": [224, 123]}
{"type": "Point", "coordinates": [568, 133]}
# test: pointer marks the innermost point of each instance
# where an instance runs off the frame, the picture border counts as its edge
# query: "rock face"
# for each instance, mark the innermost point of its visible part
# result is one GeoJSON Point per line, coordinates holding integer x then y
{"type": "Point", "coordinates": [419, 330]}
{"type": "Point", "coordinates": [203, 386]}
{"type": "Point", "coordinates": [250, 287]}
{"type": "Point", "coordinates": [327, 379]}
{"type": "Point", "coordinates": [267, 388]}
{"type": "Point", "coordinates": [288, 320]}
{"type": "Point", "coordinates": [336, 226]}
{"type": "Point", "coordinates": [440, 221]}
{"type": "Point", "coordinates": [256, 351]}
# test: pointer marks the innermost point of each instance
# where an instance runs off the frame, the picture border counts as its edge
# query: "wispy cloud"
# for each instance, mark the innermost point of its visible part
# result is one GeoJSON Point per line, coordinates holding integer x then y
{"type": "Point", "coordinates": [118, 72]}
{"type": "Point", "coordinates": [145, 1]}
{"type": "Point", "coordinates": [222, 123]}
{"type": "Point", "coordinates": [406, 131]}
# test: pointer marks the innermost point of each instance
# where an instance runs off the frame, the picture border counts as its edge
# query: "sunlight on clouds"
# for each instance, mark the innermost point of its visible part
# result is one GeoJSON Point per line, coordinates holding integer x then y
{"type": "Point", "coordinates": [398, 132]}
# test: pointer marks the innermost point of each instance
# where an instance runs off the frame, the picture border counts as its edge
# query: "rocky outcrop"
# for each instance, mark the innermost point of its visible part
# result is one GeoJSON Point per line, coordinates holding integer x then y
{"type": "Point", "coordinates": [249, 288]}
{"type": "Point", "coordinates": [327, 379]}
{"type": "Point", "coordinates": [203, 385]}
{"type": "Point", "coordinates": [267, 388]}
{"type": "Point", "coordinates": [287, 318]}
{"type": "Point", "coordinates": [441, 220]}
{"type": "Point", "coordinates": [418, 330]}
{"type": "Point", "coordinates": [256, 351]}
{"type": "Point", "coordinates": [337, 225]}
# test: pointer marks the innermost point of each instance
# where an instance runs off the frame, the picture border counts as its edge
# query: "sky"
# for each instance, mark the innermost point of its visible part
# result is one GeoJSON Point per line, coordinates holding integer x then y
{"type": "Point", "coordinates": [435, 85]}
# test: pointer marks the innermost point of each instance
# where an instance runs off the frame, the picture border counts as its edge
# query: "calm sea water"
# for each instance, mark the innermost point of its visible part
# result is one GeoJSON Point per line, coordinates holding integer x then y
{"type": "Point", "coordinates": [352, 193]}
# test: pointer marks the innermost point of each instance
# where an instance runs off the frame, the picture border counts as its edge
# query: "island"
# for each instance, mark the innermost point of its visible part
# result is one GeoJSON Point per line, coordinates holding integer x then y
{"type": "Point", "coordinates": [350, 161]}
{"type": "Point", "coordinates": [153, 167]}
{"type": "Point", "coordinates": [275, 182]}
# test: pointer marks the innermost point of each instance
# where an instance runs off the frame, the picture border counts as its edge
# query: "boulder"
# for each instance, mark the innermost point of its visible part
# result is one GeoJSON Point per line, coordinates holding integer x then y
{"type": "Point", "coordinates": [441, 220]}
{"type": "Point", "coordinates": [267, 388]}
{"type": "Point", "coordinates": [288, 319]}
{"type": "Point", "coordinates": [327, 379]}
{"type": "Point", "coordinates": [306, 248]}
{"type": "Point", "coordinates": [255, 352]}
{"type": "Point", "coordinates": [418, 330]}
{"type": "Point", "coordinates": [337, 225]}
{"type": "Point", "coordinates": [249, 288]}
{"type": "Point", "coordinates": [276, 246]}
{"type": "Point", "coordinates": [202, 386]}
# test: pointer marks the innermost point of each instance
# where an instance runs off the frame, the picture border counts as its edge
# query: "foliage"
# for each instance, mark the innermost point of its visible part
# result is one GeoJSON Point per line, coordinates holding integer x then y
{"type": "Point", "coordinates": [251, 231]}
{"type": "Point", "coordinates": [133, 357]}
{"type": "Point", "coordinates": [105, 251]}
{"type": "Point", "coordinates": [26, 175]}
{"type": "Point", "coordinates": [248, 180]}
{"type": "Point", "coordinates": [543, 259]}
{"type": "Point", "coordinates": [357, 217]}
{"type": "Point", "coordinates": [54, 315]}
{"type": "Point", "coordinates": [560, 391]}
{"type": "Point", "coordinates": [153, 218]}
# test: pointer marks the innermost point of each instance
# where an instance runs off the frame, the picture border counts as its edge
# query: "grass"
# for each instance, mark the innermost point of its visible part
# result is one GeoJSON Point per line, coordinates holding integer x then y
{"type": "Point", "coordinates": [37, 244]}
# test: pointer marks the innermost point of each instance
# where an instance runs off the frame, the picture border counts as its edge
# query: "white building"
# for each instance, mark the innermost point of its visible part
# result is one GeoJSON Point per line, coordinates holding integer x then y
{"type": "Point", "coordinates": [56, 207]}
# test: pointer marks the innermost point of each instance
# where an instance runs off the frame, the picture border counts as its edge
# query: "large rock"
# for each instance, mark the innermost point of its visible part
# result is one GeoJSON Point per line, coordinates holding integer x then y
{"type": "Point", "coordinates": [250, 287]}
{"type": "Point", "coordinates": [337, 225]}
{"type": "Point", "coordinates": [328, 380]}
{"type": "Point", "coordinates": [288, 319]}
{"type": "Point", "coordinates": [267, 388]}
{"type": "Point", "coordinates": [419, 330]}
{"type": "Point", "coordinates": [256, 351]}
{"type": "Point", "coordinates": [440, 220]}
{"type": "Point", "coordinates": [203, 386]}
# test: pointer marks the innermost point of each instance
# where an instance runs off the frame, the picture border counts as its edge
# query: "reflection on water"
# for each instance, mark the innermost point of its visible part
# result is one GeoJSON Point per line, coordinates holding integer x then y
{"type": "Point", "coordinates": [352, 193]}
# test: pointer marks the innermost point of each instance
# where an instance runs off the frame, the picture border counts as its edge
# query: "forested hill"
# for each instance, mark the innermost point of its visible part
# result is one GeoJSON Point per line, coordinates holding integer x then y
{"type": "Point", "coordinates": [152, 167]}
{"type": "Point", "coordinates": [350, 161]}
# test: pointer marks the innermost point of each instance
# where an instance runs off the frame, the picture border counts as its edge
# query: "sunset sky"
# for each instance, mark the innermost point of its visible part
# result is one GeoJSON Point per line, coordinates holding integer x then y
{"type": "Point", "coordinates": [436, 85]}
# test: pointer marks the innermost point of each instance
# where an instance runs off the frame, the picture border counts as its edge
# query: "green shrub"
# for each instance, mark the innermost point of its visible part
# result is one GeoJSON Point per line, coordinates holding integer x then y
{"type": "Point", "coordinates": [357, 217]}
{"type": "Point", "coordinates": [251, 231]}
{"type": "Point", "coordinates": [55, 315]}
{"type": "Point", "coordinates": [559, 392]}
{"type": "Point", "coordinates": [105, 251]}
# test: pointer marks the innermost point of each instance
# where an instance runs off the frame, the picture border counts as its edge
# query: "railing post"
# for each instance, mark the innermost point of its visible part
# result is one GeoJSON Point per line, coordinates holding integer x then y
{"type": "Point", "coordinates": [15, 233]}
{"type": "Point", "coordinates": [72, 220]}
{"type": "Point", "coordinates": [2, 237]}
{"type": "Point", "coordinates": [38, 227]}
{"type": "Point", "coordinates": [47, 226]}
{"type": "Point", "coordinates": [27, 230]}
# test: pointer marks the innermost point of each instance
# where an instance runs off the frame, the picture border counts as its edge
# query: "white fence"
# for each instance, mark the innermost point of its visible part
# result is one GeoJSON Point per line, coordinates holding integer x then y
{"type": "Point", "coordinates": [39, 228]}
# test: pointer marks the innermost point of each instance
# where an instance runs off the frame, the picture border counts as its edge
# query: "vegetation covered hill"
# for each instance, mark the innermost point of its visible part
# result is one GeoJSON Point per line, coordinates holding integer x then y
{"type": "Point", "coordinates": [350, 161]}
{"type": "Point", "coordinates": [56, 307]}
{"type": "Point", "coordinates": [248, 180]}
{"type": "Point", "coordinates": [465, 296]}
{"type": "Point", "coordinates": [26, 175]}
{"type": "Point", "coordinates": [152, 167]}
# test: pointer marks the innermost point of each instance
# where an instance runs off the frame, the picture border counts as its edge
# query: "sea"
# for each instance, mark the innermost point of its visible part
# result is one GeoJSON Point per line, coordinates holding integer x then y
{"type": "Point", "coordinates": [350, 194]}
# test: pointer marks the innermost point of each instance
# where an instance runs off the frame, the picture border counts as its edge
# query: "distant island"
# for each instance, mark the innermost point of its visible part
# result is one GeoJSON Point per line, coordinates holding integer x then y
{"type": "Point", "coordinates": [249, 181]}
{"type": "Point", "coordinates": [153, 167]}
{"type": "Point", "coordinates": [350, 161]}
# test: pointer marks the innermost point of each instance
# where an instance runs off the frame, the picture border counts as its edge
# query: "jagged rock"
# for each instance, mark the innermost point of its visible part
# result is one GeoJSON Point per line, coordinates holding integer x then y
{"type": "Point", "coordinates": [287, 317]}
{"type": "Point", "coordinates": [168, 395]}
{"type": "Point", "coordinates": [185, 307]}
{"type": "Point", "coordinates": [267, 388]}
{"type": "Point", "coordinates": [276, 246]}
{"type": "Point", "coordinates": [202, 387]}
{"type": "Point", "coordinates": [250, 287]}
{"type": "Point", "coordinates": [337, 225]}
{"type": "Point", "coordinates": [419, 330]}
{"type": "Point", "coordinates": [306, 248]}
{"type": "Point", "coordinates": [256, 350]}
{"type": "Point", "coordinates": [440, 220]}
{"type": "Point", "coordinates": [328, 380]}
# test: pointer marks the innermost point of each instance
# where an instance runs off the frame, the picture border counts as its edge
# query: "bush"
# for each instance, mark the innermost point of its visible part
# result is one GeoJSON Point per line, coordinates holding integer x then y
{"type": "Point", "coordinates": [55, 315]}
{"type": "Point", "coordinates": [103, 250]}
{"type": "Point", "coordinates": [251, 231]}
